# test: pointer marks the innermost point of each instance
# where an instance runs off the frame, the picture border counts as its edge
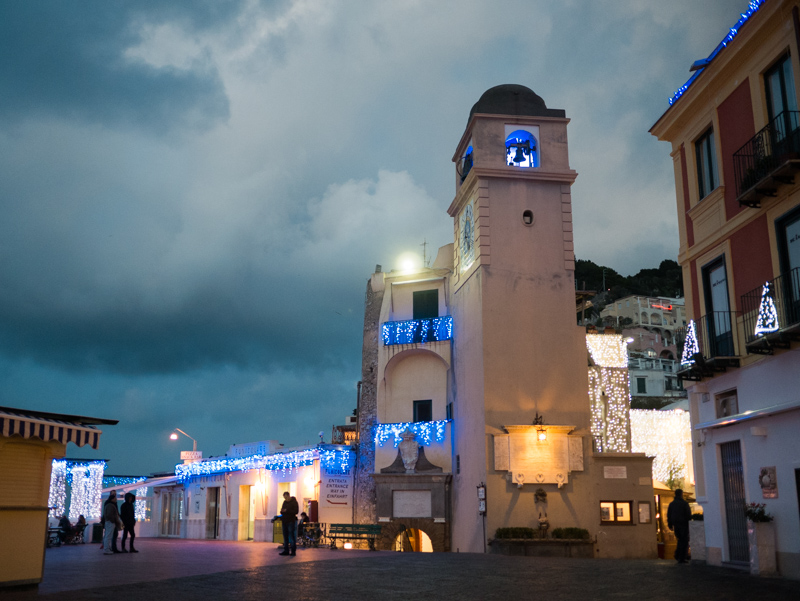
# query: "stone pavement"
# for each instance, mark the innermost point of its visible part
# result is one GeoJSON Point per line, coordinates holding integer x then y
{"type": "Point", "coordinates": [180, 570]}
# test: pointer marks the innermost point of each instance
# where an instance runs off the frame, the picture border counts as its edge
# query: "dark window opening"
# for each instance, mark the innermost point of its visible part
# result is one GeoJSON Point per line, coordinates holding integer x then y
{"type": "Point", "coordinates": [423, 411]}
{"type": "Point", "coordinates": [641, 385]}
{"type": "Point", "coordinates": [449, 411]}
{"type": "Point", "coordinates": [426, 304]}
{"type": "Point", "coordinates": [527, 217]}
{"type": "Point", "coordinates": [706, 164]}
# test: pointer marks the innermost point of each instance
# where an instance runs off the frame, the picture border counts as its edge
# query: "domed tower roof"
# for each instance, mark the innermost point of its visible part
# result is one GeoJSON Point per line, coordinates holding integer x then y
{"type": "Point", "coordinates": [513, 99]}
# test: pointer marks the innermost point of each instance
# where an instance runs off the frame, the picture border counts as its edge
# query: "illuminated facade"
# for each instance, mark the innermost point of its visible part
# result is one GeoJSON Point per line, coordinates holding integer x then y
{"type": "Point", "coordinates": [498, 403]}
{"type": "Point", "coordinates": [734, 128]}
{"type": "Point", "coordinates": [235, 497]}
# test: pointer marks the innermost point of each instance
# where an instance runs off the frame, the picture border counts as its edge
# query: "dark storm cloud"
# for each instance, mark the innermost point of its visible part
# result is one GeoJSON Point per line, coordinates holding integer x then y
{"type": "Point", "coordinates": [66, 59]}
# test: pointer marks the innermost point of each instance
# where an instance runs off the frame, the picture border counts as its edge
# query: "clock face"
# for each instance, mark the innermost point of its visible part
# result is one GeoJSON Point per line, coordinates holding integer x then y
{"type": "Point", "coordinates": [467, 236]}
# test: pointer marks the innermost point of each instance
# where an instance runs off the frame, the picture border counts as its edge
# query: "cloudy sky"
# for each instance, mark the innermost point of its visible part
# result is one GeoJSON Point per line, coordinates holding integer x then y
{"type": "Point", "coordinates": [193, 194]}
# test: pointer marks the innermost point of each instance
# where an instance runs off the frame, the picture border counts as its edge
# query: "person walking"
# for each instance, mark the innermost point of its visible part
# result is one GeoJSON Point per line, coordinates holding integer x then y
{"type": "Point", "coordinates": [678, 515]}
{"type": "Point", "coordinates": [112, 522]}
{"type": "Point", "coordinates": [289, 511]}
{"type": "Point", "coordinates": [128, 515]}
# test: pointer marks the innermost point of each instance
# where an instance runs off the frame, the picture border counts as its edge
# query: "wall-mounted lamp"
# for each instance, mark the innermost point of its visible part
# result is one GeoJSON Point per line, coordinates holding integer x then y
{"type": "Point", "coordinates": [541, 431]}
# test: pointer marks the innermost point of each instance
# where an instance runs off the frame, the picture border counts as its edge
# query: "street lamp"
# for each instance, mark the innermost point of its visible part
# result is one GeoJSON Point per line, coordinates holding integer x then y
{"type": "Point", "coordinates": [174, 436]}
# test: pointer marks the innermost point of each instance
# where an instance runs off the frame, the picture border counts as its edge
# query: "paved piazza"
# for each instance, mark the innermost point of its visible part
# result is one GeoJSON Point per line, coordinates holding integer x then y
{"type": "Point", "coordinates": [179, 570]}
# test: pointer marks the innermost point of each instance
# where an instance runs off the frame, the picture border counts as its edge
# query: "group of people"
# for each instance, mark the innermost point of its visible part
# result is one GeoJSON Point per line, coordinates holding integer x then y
{"type": "Point", "coordinates": [114, 520]}
{"type": "Point", "coordinates": [69, 532]}
{"type": "Point", "coordinates": [292, 527]}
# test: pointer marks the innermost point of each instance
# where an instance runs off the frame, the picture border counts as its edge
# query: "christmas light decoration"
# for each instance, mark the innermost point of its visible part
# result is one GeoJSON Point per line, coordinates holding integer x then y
{"type": "Point", "coordinates": [58, 489]}
{"type": "Point", "coordinates": [75, 488]}
{"type": "Point", "coordinates": [665, 435]}
{"type": "Point", "coordinates": [87, 481]}
{"type": "Point", "coordinates": [767, 314]}
{"type": "Point", "coordinates": [283, 462]}
{"type": "Point", "coordinates": [751, 9]}
{"type": "Point", "coordinates": [426, 432]}
{"type": "Point", "coordinates": [690, 346]}
{"type": "Point", "coordinates": [608, 350]}
{"type": "Point", "coordinates": [609, 392]}
{"type": "Point", "coordinates": [417, 330]}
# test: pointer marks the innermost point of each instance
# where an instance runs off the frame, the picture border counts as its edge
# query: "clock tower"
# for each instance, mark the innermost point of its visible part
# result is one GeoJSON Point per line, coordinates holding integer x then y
{"type": "Point", "coordinates": [518, 352]}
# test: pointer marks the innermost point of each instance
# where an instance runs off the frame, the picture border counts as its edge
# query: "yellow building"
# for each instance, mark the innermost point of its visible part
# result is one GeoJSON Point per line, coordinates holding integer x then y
{"type": "Point", "coordinates": [29, 441]}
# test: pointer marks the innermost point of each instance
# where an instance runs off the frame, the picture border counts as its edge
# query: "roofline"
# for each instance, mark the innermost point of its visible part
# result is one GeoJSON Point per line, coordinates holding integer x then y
{"type": "Point", "coordinates": [78, 419]}
{"type": "Point", "coordinates": [753, 7]}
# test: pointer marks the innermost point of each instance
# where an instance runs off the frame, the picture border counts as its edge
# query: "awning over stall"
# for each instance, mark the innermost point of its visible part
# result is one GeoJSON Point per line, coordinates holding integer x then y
{"type": "Point", "coordinates": [52, 426]}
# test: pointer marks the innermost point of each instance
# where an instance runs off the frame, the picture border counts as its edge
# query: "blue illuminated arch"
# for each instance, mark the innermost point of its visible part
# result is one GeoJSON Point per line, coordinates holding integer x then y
{"type": "Point", "coordinates": [522, 149]}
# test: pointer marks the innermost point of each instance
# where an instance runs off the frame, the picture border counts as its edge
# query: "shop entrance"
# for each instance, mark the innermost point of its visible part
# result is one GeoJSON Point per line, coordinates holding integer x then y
{"type": "Point", "coordinates": [171, 505]}
{"type": "Point", "coordinates": [212, 512]}
{"type": "Point", "coordinates": [247, 512]}
{"type": "Point", "coordinates": [733, 486]}
{"type": "Point", "coordinates": [413, 540]}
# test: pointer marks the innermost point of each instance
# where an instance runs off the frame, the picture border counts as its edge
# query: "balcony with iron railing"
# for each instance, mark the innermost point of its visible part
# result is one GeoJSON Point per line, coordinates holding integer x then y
{"type": "Point", "coordinates": [768, 160]}
{"type": "Point", "coordinates": [417, 331]}
{"type": "Point", "coordinates": [717, 347]}
{"type": "Point", "coordinates": [772, 316]}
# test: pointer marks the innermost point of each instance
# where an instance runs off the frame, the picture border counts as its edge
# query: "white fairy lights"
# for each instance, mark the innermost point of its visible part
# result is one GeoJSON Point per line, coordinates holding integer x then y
{"type": "Point", "coordinates": [609, 392]}
{"type": "Point", "coordinates": [690, 346]}
{"type": "Point", "coordinates": [665, 435]}
{"type": "Point", "coordinates": [767, 321]}
{"type": "Point", "coordinates": [608, 350]}
{"type": "Point", "coordinates": [75, 488]}
{"type": "Point", "coordinates": [58, 489]}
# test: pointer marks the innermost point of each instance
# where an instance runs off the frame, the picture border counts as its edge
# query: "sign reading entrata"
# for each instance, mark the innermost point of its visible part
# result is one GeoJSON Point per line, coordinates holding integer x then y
{"type": "Point", "coordinates": [337, 487]}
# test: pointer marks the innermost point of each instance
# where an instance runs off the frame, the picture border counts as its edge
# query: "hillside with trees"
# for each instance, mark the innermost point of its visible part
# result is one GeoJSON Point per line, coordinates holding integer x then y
{"type": "Point", "coordinates": [665, 280]}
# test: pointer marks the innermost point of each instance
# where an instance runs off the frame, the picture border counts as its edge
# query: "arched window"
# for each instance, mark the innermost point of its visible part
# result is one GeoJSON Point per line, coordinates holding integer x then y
{"type": "Point", "coordinates": [644, 318]}
{"type": "Point", "coordinates": [466, 163]}
{"type": "Point", "coordinates": [522, 149]}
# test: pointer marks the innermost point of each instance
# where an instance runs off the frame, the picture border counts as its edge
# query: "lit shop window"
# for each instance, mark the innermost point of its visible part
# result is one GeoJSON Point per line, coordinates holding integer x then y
{"type": "Point", "coordinates": [615, 512]}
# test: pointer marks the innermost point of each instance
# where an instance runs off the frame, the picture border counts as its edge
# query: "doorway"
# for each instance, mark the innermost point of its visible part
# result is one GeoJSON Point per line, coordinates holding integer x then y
{"type": "Point", "coordinates": [247, 512]}
{"type": "Point", "coordinates": [171, 513]}
{"type": "Point", "coordinates": [212, 512]}
{"type": "Point", "coordinates": [413, 540]}
{"type": "Point", "coordinates": [733, 485]}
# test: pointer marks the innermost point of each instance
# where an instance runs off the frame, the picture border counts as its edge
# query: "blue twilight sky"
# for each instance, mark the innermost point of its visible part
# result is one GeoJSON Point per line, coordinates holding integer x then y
{"type": "Point", "coordinates": [193, 194]}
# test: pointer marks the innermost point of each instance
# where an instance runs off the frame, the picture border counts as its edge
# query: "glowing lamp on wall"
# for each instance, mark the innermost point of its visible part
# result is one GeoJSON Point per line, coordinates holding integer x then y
{"type": "Point", "coordinates": [541, 434]}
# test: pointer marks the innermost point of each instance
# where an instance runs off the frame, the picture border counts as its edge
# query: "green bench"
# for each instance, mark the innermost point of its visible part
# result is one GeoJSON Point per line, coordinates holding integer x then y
{"type": "Point", "coordinates": [368, 532]}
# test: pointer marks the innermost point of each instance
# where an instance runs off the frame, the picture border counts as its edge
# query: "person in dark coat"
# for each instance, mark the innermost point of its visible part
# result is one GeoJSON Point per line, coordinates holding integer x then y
{"type": "Point", "coordinates": [128, 515]}
{"type": "Point", "coordinates": [65, 528]}
{"type": "Point", "coordinates": [678, 516]}
{"type": "Point", "coordinates": [289, 511]}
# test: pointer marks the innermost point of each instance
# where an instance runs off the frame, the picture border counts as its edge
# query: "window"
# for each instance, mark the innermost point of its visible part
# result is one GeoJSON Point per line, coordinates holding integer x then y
{"type": "Point", "coordinates": [641, 385]}
{"type": "Point", "coordinates": [426, 304]}
{"type": "Point", "coordinates": [788, 230]}
{"type": "Point", "coordinates": [727, 404]}
{"type": "Point", "coordinates": [718, 316]}
{"type": "Point", "coordinates": [615, 512]}
{"type": "Point", "coordinates": [706, 164]}
{"type": "Point", "coordinates": [449, 411]}
{"type": "Point", "coordinates": [423, 411]}
{"type": "Point", "coordinates": [781, 99]}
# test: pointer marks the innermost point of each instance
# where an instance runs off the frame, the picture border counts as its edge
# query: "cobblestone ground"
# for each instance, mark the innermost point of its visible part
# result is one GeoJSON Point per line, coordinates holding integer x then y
{"type": "Point", "coordinates": [178, 570]}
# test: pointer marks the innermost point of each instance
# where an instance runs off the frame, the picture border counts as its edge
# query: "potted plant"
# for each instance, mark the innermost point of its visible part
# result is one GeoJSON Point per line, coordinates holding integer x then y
{"type": "Point", "coordinates": [761, 538]}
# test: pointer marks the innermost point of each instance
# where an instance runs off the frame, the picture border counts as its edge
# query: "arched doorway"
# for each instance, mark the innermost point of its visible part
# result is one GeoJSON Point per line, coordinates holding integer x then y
{"type": "Point", "coordinates": [413, 540]}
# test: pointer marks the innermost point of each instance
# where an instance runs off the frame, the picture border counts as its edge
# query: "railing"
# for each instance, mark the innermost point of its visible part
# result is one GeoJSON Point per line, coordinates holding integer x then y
{"type": "Point", "coordinates": [766, 151]}
{"type": "Point", "coordinates": [785, 294]}
{"type": "Point", "coordinates": [417, 330]}
{"type": "Point", "coordinates": [717, 335]}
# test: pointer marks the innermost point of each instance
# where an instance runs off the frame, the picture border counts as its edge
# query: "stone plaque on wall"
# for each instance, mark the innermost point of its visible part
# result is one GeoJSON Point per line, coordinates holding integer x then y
{"type": "Point", "coordinates": [411, 504]}
{"type": "Point", "coordinates": [501, 452]}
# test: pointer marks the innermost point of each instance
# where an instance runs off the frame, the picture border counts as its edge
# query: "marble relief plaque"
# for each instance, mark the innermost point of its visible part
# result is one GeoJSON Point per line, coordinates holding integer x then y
{"type": "Point", "coordinates": [532, 461]}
